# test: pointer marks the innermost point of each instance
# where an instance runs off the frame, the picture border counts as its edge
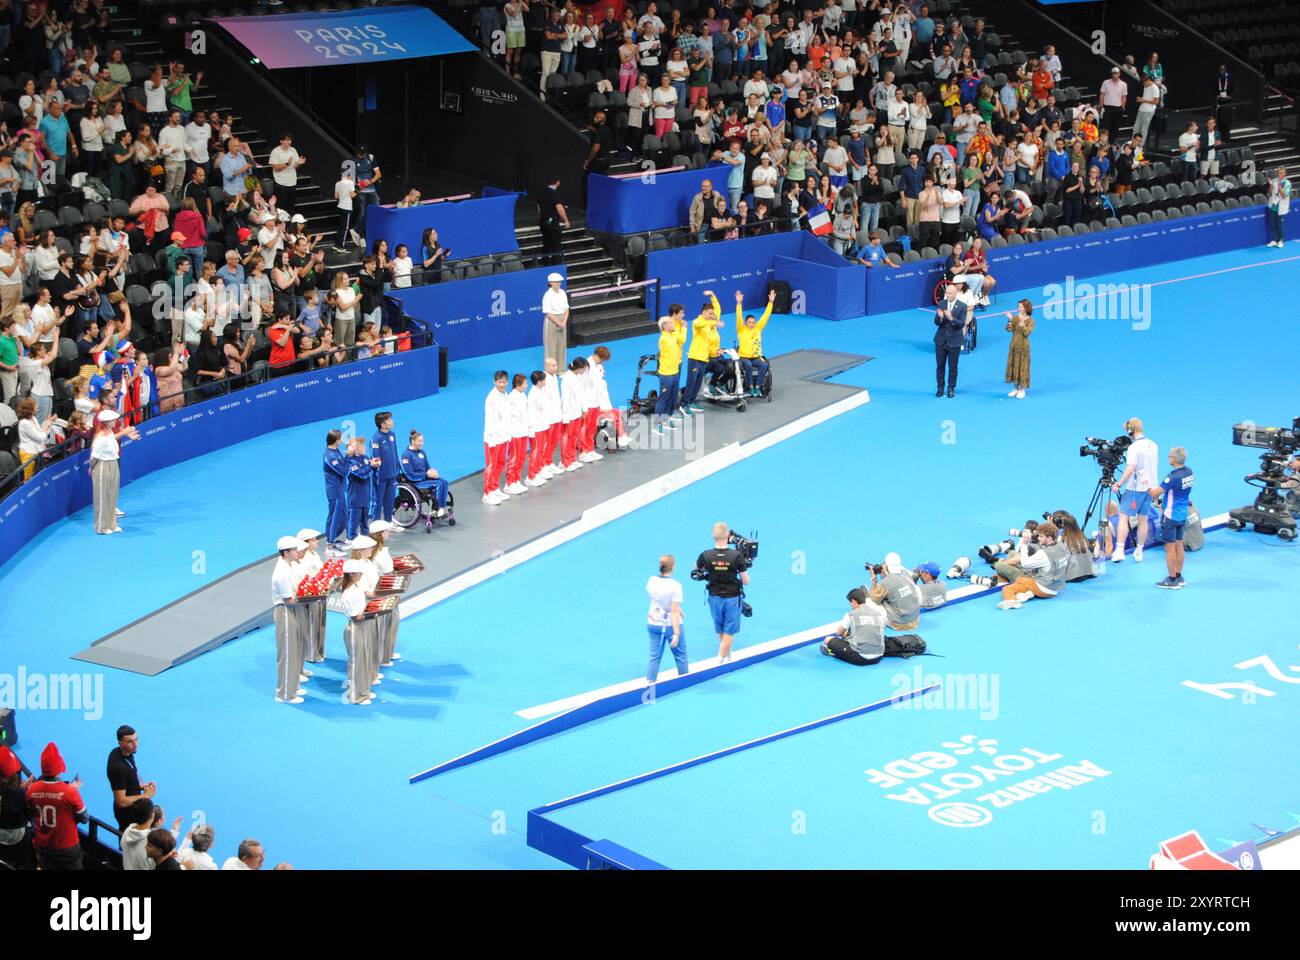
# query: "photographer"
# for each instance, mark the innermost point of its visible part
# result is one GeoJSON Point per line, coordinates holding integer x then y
{"type": "Point", "coordinates": [1044, 562]}
{"type": "Point", "coordinates": [664, 620]}
{"type": "Point", "coordinates": [860, 638]}
{"type": "Point", "coordinates": [902, 601]}
{"type": "Point", "coordinates": [1076, 545]}
{"type": "Point", "coordinates": [1176, 492]}
{"type": "Point", "coordinates": [723, 568]}
{"type": "Point", "coordinates": [1134, 488]}
{"type": "Point", "coordinates": [934, 592]}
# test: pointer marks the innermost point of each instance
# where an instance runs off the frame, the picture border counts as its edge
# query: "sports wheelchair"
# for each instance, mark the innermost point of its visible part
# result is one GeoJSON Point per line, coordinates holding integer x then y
{"type": "Point", "coordinates": [414, 504]}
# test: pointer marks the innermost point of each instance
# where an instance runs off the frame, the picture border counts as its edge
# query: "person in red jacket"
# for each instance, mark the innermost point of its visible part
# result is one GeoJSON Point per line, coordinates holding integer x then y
{"type": "Point", "coordinates": [194, 231]}
{"type": "Point", "coordinates": [58, 808]}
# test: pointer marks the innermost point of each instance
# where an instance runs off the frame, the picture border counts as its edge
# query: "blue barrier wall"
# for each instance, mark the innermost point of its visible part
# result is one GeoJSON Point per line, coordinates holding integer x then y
{"type": "Point", "coordinates": [168, 439]}
{"type": "Point", "coordinates": [1111, 251]}
{"type": "Point", "coordinates": [745, 265]}
{"type": "Point", "coordinates": [636, 204]}
{"type": "Point", "coordinates": [484, 315]}
{"type": "Point", "coordinates": [822, 282]}
{"type": "Point", "coordinates": [470, 228]}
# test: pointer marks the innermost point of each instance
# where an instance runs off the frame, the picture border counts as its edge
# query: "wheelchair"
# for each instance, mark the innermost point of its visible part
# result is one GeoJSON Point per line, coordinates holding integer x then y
{"type": "Point", "coordinates": [415, 504]}
{"type": "Point", "coordinates": [730, 388]}
{"type": "Point", "coordinates": [972, 326]}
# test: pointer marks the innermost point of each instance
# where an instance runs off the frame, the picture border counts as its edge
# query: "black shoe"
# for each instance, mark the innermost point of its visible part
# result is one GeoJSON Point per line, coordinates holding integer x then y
{"type": "Point", "coordinates": [950, 391]}
{"type": "Point", "coordinates": [939, 392]}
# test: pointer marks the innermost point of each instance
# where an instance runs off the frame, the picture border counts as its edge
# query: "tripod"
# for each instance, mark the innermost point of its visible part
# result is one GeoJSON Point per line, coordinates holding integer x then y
{"type": "Point", "coordinates": [1102, 497]}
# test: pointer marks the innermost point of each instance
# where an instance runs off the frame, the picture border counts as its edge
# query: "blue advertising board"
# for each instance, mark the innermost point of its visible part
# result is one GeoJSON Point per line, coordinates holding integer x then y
{"type": "Point", "coordinates": [652, 201]}
{"type": "Point", "coordinates": [165, 440]}
{"type": "Point", "coordinates": [745, 265]}
{"type": "Point", "coordinates": [484, 315]}
{"type": "Point", "coordinates": [468, 228]}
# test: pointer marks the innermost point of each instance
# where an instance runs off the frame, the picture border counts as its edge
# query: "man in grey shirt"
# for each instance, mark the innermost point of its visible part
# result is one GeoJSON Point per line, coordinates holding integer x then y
{"type": "Point", "coordinates": [902, 600]}
{"type": "Point", "coordinates": [934, 592]}
{"type": "Point", "coordinates": [860, 638]}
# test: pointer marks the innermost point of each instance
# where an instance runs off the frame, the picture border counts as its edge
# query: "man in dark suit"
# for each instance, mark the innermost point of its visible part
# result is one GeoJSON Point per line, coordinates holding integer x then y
{"type": "Point", "coordinates": [950, 319]}
{"type": "Point", "coordinates": [1224, 85]}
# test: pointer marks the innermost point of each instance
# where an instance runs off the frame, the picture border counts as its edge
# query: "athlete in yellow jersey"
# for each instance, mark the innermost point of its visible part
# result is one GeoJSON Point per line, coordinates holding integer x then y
{"type": "Point", "coordinates": [672, 338]}
{"type": "Point", "coordinates": [704, 342]}
{"type": "Point", "coordinates": [749, 340]}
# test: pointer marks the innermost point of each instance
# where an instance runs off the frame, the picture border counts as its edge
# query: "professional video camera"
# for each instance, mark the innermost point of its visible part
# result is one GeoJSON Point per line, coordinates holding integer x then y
{"type": "Point", "coordinates": [1272, 510]}
{"type": "Point", "coordinates": [747, 547]}
{"type": "Point", "coordinates": [1109, 454]}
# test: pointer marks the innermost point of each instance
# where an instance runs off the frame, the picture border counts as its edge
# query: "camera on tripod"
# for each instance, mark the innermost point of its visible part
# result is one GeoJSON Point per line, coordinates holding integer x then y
{"type": "Point", "coordinates": [1109, 454]}
{"type": "Point", "coordinates": [1273, 510]}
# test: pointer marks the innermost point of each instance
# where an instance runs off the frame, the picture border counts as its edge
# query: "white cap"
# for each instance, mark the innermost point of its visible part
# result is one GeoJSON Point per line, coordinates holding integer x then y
{"type": "Point", "coordinates": [106, 416]}
{"type": "Point", "coordinates": [353, 566]}
{"type": "Point", "coordinates": [379, 526]}
{"type": "Point", "coordinates": [555, 278]}
{"type": "Point", "coordinates": [362, 542]}
{"type": "Point", "coordinates": [289, 543]}
{"type": "Point", "coordinates": [284, 214]}
{"type": "Point", "coordinates": [307, 533]}
{"type": "Point", "coordinates": [893, 562]}
{"type": "Point", "coordinates": [298, 218]}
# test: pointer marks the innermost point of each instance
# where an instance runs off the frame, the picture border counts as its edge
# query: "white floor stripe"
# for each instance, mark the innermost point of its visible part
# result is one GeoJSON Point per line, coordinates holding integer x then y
{"type": "Point", "coordinates": [629, 501]}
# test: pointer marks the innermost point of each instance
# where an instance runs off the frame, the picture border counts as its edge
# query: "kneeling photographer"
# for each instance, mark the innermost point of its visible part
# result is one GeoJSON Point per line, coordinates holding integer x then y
{"type": "Point", "coordinates": [934, 592]}
{"type": "Point", "coordinates": [724, 570]}
{"type": "Point", "coordinates": [1043, 561]}
{"type": "Point", "coordinates": [860, 638]}
{"type": "Point", "coordinates": [1080, 552]}
{"type": "Point", "coordinates": [902, 600]}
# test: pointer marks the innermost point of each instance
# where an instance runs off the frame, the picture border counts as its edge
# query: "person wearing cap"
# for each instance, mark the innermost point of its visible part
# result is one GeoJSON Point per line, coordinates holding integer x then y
{"type": "Point", "coordinates": [57, 808]}
{"type": "Point", "coordinates": [288, 629]}
{"type": "Point", "coordinates": [312, 625]}
{"type": "Point", "coordinates": [383, 448]}
{"type": "Point", "coordinates": [1113, 100]}
{"type": "Point", "coordinates": [555, 320]}
{"type": "Point", "coordinates": [860, 637]}
{"type": "Point", "coordinates": [367, 174]}
{"type": "Point", "coordinates": [345, 196]}
{"type": "Point", "coordinates": [105, 475]}
{"type": "Point", "coordinates": [902, 599]}
{"type": "Point", "coordinates": [351, 602]}
{"type": "Point", "coordinates": [363, 551]}
{"type": "Point", "coordinates": [285, 161]}
{"type": "Point", "coordinates": [386, 625]}
{"type": "Point", "coordinates": [496, 438]}
{"type": "Point", "coordinates": [15, 823]}
{"type": "Point", "coordinates": [934, 592]}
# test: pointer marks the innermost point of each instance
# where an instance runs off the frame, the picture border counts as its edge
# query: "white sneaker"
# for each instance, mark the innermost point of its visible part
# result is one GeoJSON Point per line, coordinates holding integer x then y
{"type": "Point", "coordinates": [1137, 554]}
{"type": "Point", "coordinates": [1024, 596]}
{"type": "Point", "coordinates": [1012, 394]}
{"type": "Point", "coordinates": [516, 488]}
{"type": "Point", "coordinates": [501, 492]}
{"type": "Point", "coordinates": [551, 470]}
{"type": "Point", "coordinates": [1008, 604]}
{"type": "Point", "coordinates": [119, 513]}
{"type": "Point", "coordinates": [493, 498]}
{"type": "Point", "coordinates": [624, 442]}
{"type": "Point", "coordinates": [1020, 394]}
{"type": "Point", "coordinates": [593, 456]}
{"type": "Point", "coordinates": [1117, 556]}
{"type": "Point", "coordinates": [573, 466]}
{"type": "Point", "coordinates": [397, 656]}
{"type": "Point", "coordinates": [300, 692]}
{"type": "Point", "coordinates": [290, 700]}
{"type": "Point", "coordinates": [536, 481]}
{"type": "Point", "coordinates": [584, 458]}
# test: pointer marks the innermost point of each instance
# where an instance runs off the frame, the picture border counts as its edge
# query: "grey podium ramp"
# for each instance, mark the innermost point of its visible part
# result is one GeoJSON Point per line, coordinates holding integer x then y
{"type": "Point", "coordinates": [239, 602]}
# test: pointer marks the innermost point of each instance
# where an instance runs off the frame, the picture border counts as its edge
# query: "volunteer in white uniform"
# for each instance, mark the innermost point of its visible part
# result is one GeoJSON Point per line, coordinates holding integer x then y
{"type": "Point", "coordinates": [351, 602]}
{"type": "Point", "coordinates": [288, 635]}
{"type": "Point", "coordinates": [313, 614]}
{"type": "Point", "coordinates": [383, 560]}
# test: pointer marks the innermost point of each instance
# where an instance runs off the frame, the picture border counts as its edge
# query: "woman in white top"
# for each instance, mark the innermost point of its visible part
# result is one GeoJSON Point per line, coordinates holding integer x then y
{"type": "Point", "coordinates": [104, 470]}
{"type": "Point", "coordinates": [569, 44]}
{"type": "Point", "coordinates": [345, 308]}
{"type": "Point", "coordinates": [918, 112]}
{"type": "Point", "coordinates": [114, 121]}
{"type": "Point", "coordinates": [665, 101]}
{"type": "Point", "coordinates": [45, 258]}
{"type": "Point", "coordinates": [31, 103]}
{"type": "Point", "coordinates": [664, 619]}
{"type": "Point", "coordinates": [639, 100]}
{"type": "Point", "coordinates": [401, 266]}
{"type": "Point", "coordinates": [764, 179]}
{"type": "Point", "coordinates": [33, 435]}
{"type": "Point", "coordinates": [386, 625]}
{"type": "Point", "coordinates": [351, 602]}
{"type": "Point", "coordinates": [93, 131]}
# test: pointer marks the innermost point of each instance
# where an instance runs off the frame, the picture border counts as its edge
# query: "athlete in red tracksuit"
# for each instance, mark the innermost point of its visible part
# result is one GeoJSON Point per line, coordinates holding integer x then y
{"type": "Point", "coordinates": [553, 412]}
{"type": "Point", "coordinates": [572, 406]}
{"type": "Point", "coordinates": [539, 431]}
{"type": "Point", "coordinates": [517, 451]}
{"type": "Point", "coordinates": [604, 407]}
{"type": "Point", "coordinates": [496, 438]}
{"type": "Point", "coordinates": [590, 414]}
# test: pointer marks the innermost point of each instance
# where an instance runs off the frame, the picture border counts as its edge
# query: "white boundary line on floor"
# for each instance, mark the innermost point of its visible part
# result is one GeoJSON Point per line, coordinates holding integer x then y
{"type": "Point", "coordinates": [625, 503]}
{"type": "Point", "coordinates": [789, 641]}
{"type": "Point", "coordinates": [1102, 291]}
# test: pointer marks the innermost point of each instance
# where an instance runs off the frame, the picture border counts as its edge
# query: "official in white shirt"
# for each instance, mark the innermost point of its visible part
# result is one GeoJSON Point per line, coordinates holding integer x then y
{"type": "Point", "coordinates": [288, 634]}
{"type": "Point", "coordinates": [664, 620]}
{"type": "Point", "coordinates": [1142, 473]}
{"type": "Point", "coordinates": [555, 320]}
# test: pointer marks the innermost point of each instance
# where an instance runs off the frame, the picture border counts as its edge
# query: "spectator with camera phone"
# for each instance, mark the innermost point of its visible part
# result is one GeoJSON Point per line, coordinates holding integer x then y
{"type": "Point", "coordinates": [724, 569]}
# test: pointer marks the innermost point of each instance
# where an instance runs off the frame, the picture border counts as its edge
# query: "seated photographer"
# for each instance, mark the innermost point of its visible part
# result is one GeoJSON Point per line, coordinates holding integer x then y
{"type": "Point", "coordinates": [934, 592]}
{"type": "Point", "coordinates": [1007, 569]}
{"type": "Point", "coordinates": [723, 569]}
{"type": "Point", "coordinates": [902, 600]}
{"type": "Point", "coordinates": [1044, 561]}
{"type": "Point", "coordinates": [860, 637]}
{"type": "Point", "coordinates": [1081, 552]}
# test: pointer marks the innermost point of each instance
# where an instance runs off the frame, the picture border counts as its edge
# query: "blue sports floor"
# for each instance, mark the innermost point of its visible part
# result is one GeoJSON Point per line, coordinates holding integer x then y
{"type": "Point", "coordinates": [1095, 675]}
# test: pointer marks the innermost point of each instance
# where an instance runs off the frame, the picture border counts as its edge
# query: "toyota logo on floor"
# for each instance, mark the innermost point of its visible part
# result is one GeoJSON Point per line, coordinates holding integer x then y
{"type": "Point", "coordinates": [960, 814]}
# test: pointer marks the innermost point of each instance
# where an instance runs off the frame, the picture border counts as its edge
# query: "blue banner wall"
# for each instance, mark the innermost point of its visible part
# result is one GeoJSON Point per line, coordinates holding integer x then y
{"type": "Point", "coordinates": [655, 202]}
{"type": "Point", "coordinates": [1112, 251]}
{"type": "Point", "coordinates": [470, 228]}
{"type": "Point", "coordinates": [484, 315]}
{"type": "Point", "coordinates": [822, 282]}
{"type": "Point", "coordinates": [354, 388]}
{"type": "Point", "coordinates": [333, 38]}
{"type": "Point", "coordinates": [745, 265]}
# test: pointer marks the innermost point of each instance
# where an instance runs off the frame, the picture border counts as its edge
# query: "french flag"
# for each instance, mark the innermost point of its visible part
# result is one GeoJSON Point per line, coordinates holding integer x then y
{"type": "Point", "coordinates": [819, 220]}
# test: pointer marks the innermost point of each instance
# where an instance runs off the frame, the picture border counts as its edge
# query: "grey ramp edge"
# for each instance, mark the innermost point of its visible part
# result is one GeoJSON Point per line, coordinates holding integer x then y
{"type": "Point", "coordinates": [238, 602]}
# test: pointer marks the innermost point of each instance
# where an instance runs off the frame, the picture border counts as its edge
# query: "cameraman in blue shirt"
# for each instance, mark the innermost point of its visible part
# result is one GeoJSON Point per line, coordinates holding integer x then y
{"type": "Point", "coordinates": [1176, 490]}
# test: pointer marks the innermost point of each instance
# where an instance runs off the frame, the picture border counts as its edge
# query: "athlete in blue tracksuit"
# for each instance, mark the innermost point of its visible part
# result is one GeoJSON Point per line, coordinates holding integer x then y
{"type": "Point", "coordinates": [383, 447]}
{"type": "Point", "coordinates": [415, 467]}
{"type": "Point", "coordinates": [336, 478]}
{"type": "Point", "coordinates": [359, 476]}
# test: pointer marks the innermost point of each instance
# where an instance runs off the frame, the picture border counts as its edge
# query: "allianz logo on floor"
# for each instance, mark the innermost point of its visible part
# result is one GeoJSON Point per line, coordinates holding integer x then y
{"type": "Point", "coordinates": [78, 692]}
{"type": "Point", "coordinates": [962, 784]}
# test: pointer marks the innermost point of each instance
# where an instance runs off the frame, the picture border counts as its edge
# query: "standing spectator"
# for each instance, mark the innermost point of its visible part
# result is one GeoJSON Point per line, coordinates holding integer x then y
{"type": "Point", "coordinates": [234, 164]}
{"type": "Point", "coordinates": [15, 822]}
{"type": "Point", "coordinates": [124, 776]}
{"type": "Point", "coordinates": [1148, 103]}
{"type": "Point", "coordinates": [1113, 101]}
{"type": "Point", "coordinates": [1224, 84]}
{"type": "Point", "coordinates": [951, 320]}
{"type": "Point", "coordinates": [1020, 325]}
{"type": "Point", "coordinates": [58, 808]}
{"type": "Point", "coordinates": [553, 220]}
{"type": "Point", "coordinates": [172, 145]}
{"type": "Point", "coordinates": [198, 134]}
{"type": "Point", "coordinates": [929, 202]}
{"type": "Point", "coordinates": [160, 848]}
{"type": "Point", "coordinates": [194, 853]}
{"type": "Point", "coordinates": [143, 817]}
{"type": "Point", "coordinates": [1209, 165]}
{"type": "Point", "coordinates": [285, 161]}
{"type": "Point", "coordinates": [368, 175]}
{"type": "Point", "coordinates": [701, 210]}
{"type": "Point", "coordinates": [516, 35]}
{"type": "Point", "coordinates": [555, 320]}
{"type": "Point", "coordinates": [345, 196]}
{"type": "Point", "coordinates": [666, 100]}
{"type": "Point", "coordinates": [1189, 145]}
{"type": "Point", "coordinates": [13, 270]}
{"type": "Point", "coordinates": [1279, 205]}
{"type": "Point", "coordinates": [552, 41]}
{"type": "Point", "coordinates": [58, 136]}
{"type": "Point", "coordinates": [250, 856]}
